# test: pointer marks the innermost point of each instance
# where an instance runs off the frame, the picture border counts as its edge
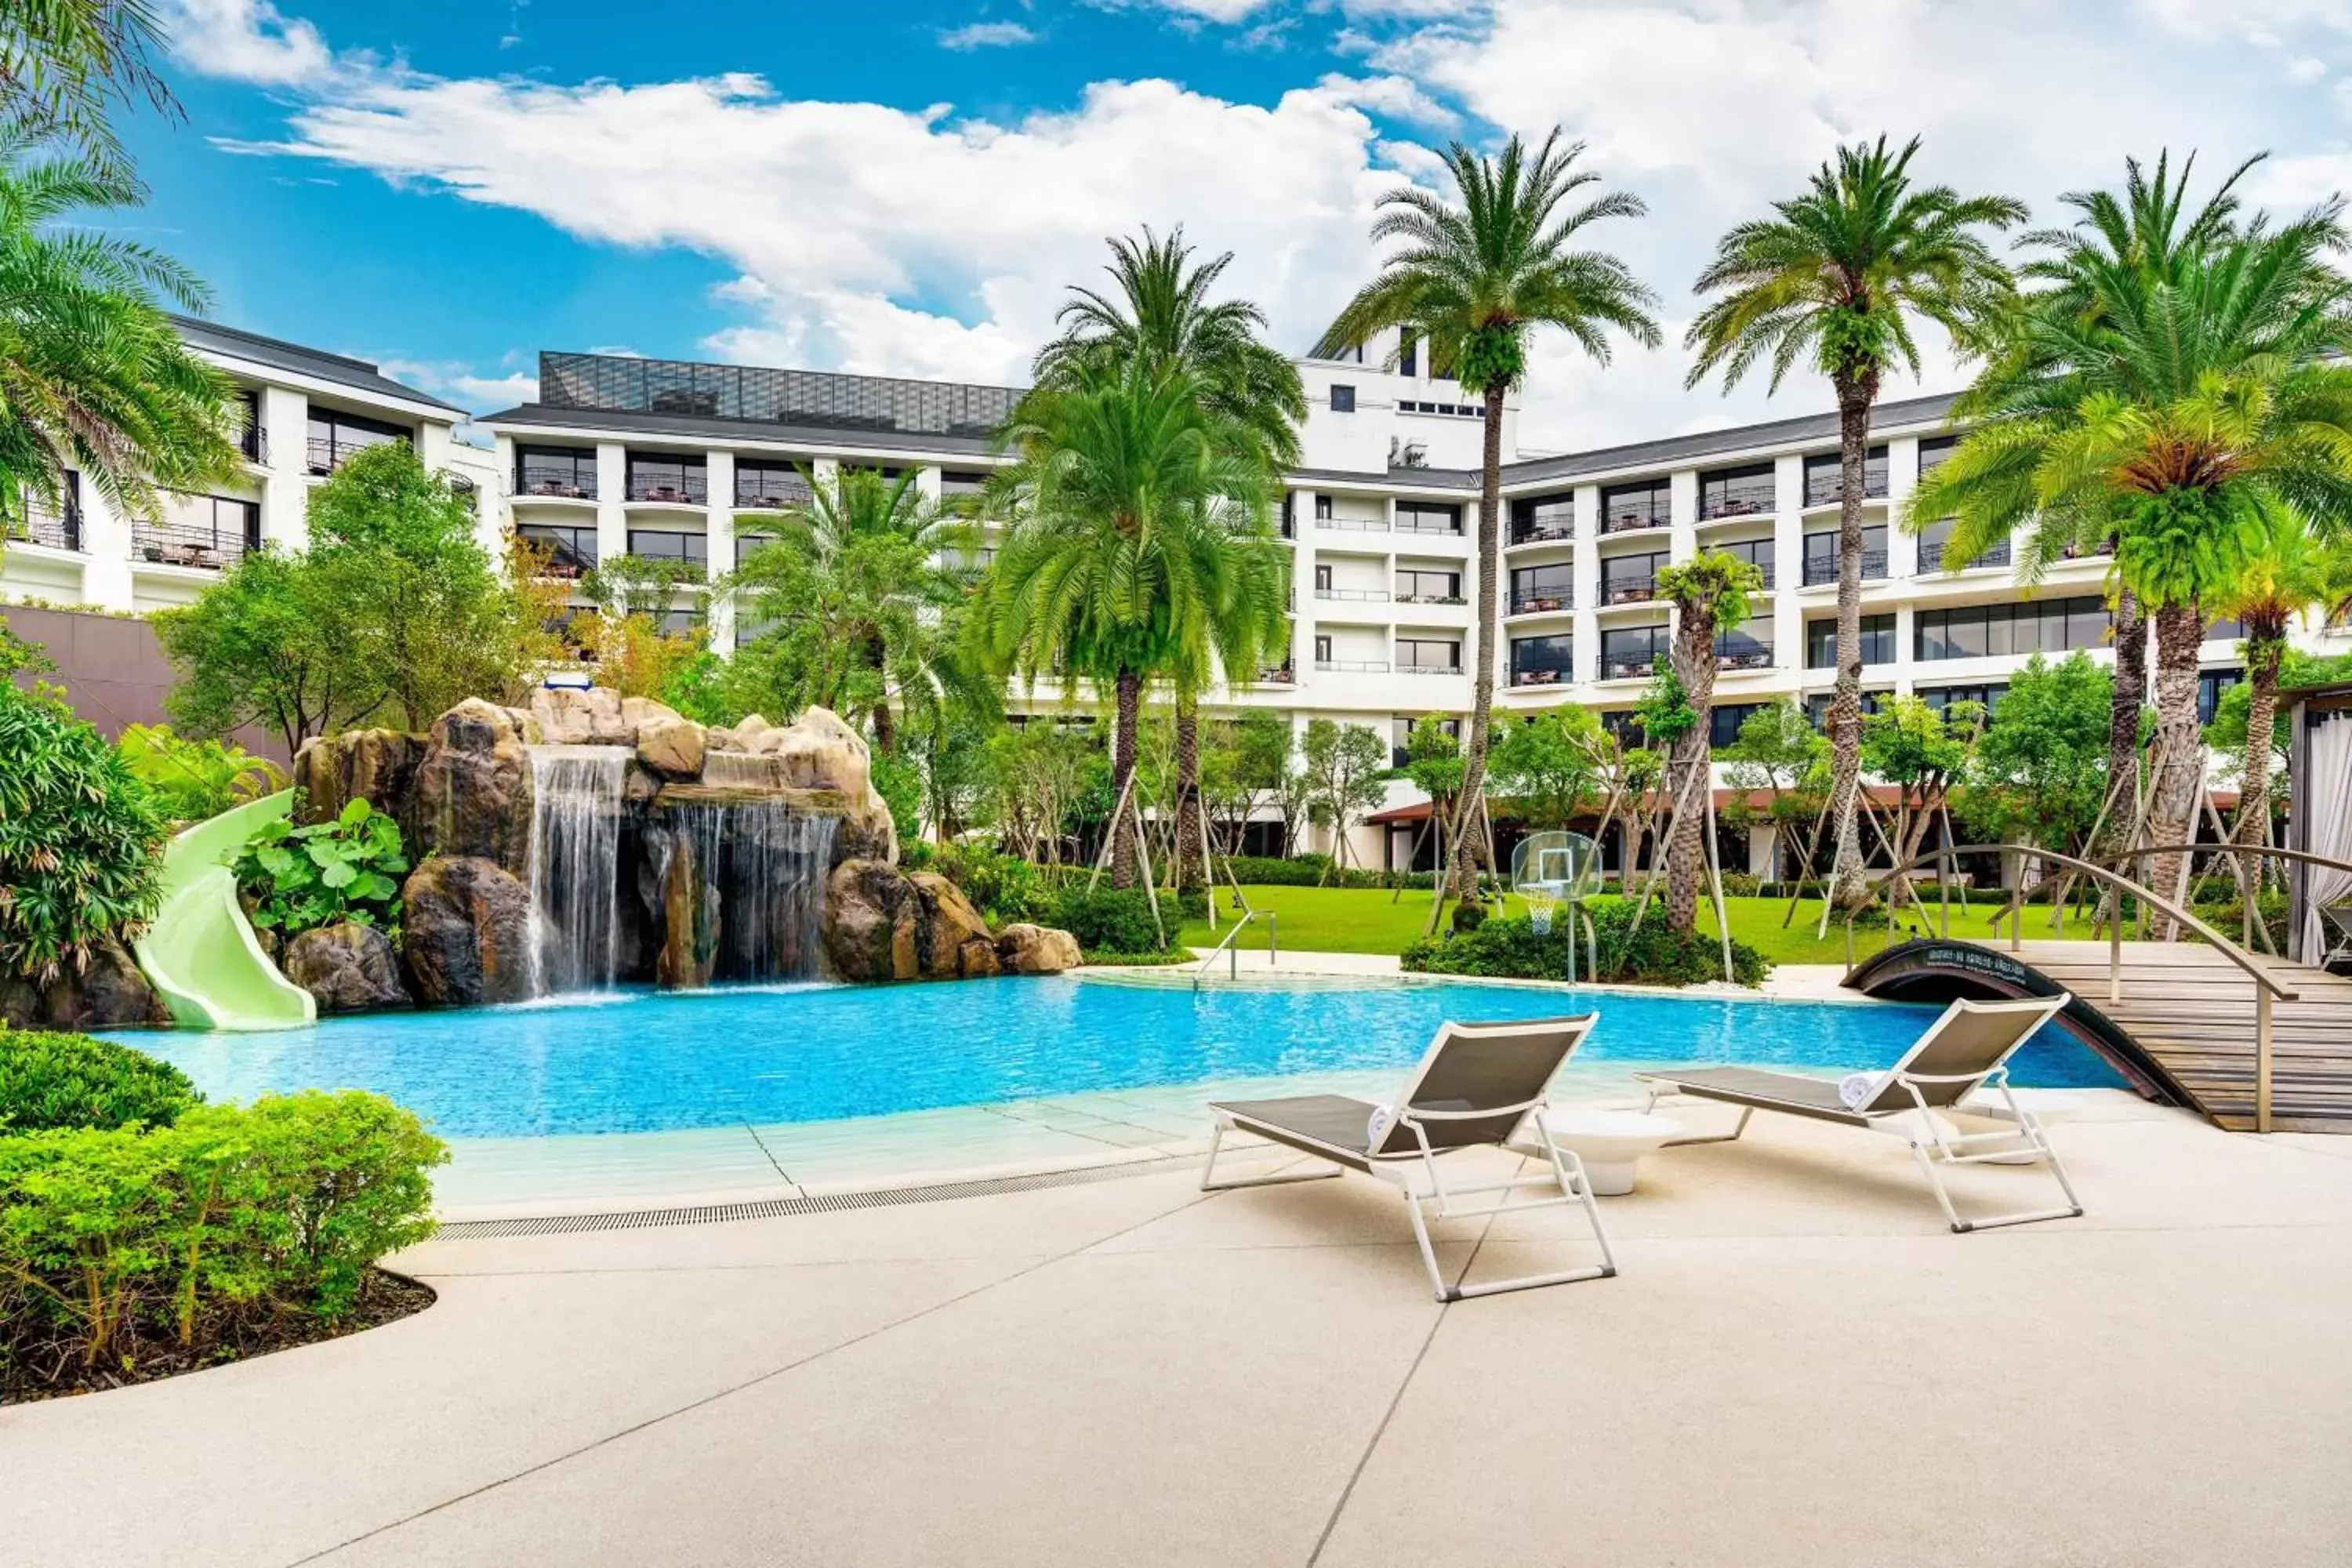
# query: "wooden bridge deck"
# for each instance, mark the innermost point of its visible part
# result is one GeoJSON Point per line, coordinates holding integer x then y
{"type": "Point", "coordinates": [2193, 1011]}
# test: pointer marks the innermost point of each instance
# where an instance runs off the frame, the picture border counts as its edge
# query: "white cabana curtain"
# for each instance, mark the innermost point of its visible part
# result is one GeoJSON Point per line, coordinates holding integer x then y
{"type": "Point", "coordinates": [2325, 808]}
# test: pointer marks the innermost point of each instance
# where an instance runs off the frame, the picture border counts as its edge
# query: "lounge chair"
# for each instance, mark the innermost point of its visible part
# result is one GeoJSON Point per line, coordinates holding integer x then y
{"type": "Point", "coordinates": [2336, 924]}
{"type": "Point", "coordinates": [1966, 1049]}
{"type": "Point", "coordinates": [1473, 1087]}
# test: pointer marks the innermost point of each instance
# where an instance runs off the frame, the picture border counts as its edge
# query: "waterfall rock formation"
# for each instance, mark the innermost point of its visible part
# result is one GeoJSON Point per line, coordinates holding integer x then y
{"type": "Point", "coordinates": [578, 806]}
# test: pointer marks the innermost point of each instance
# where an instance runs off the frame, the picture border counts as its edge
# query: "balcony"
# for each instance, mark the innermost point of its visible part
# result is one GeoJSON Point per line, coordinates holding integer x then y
{"type": "Point", "coordinates": [1739, 504]}
{"type": "Point", "coordinates": [1419, 522]}
{"type": "Point", "coordinates": [1352, 666]}
{"type": "Point", "coordinates": [205, 546]}
{"type": "Point", "coordinates": [1630, 589]}
{"type": "Point", "coordinates": [1823, 491]}
{"type": "Point", "coordinates": [1637, 668]}
{"type": "Point", "coordinates": [558, 481]}
{"type": "Point", "coordinates": [1353, 524]}
{"type": "Point", "coordinates": [1404, 598]}
{"type": "Point", "coordinates": [1429, 670]}
{"type": "Point", "coordinates": [1931, 557]}
{"type": "Point", "coordinates": [1355, 595]}
{"type": "Point", "coordinates": [1543, 533]}
{"type": "Point", "coordinates": [1539, 678]}
{"type": "Point", "coordinates": [252, 442]}
{"type": "Point", "coordinates": [569, 551]}
{"type": "Point", "coordinates": [1541, 605]}
{"type": "Point", "coordinates": [691, 488]}
{"type": "Point", "coordinates": [1746, 656]}
{"type": "Point", "coordinates": [760, 492]}
{"type": "Point", "coordinates": [1820, 570]}
{"type": "Point", "coordinates": [1631, 521]}
{"type": "Point", "coordinates": [54, 530]}
{"type": "Point", "coordinates": [325, 454]}
{"type": "Point", "coordinates": [689, 550]}
{"type": "Point", "coordinates": [1277, 675]}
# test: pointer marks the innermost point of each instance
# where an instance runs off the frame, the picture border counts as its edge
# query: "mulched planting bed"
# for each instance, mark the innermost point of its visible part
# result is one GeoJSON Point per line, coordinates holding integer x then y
{"type": "Point", "coordinates": [31, 1370]}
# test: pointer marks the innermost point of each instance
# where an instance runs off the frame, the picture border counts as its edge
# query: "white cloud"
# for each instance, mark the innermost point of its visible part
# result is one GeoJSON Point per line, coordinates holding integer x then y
{"type": "Point", "coordinates": [1392, 96]}
{"type": "Point", "coordinates": [986, 36]}
{"type": "Point", "coordinates": [461, 385]}
{"type": "Point", "coordinates": [247, 40]}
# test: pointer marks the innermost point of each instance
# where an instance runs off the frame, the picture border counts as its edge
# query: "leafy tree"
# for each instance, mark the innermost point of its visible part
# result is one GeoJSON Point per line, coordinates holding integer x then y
{"type": "Point", "coordinates": [192, 780]}
{"type": "Point", "coordinates": [79, 837]}
{"type": "Point", "coordinates": [94, 378]}
{"type": "Point", "coordinates": [2290, 575]}
{"type": "Point", "coordinates": [1043, 776]}
{"type": "Point", "coordinates": [1138, 542]}
{"type": "Point", "coordinates": [1474, 275]}
{"type": "Point", "coordinates": [1778, 753]}
{"type": "Point", "coordinates": [1343, 764]}
{"type": "Point", "coordinates": [1552, 765]}
{"type": "Point", "coordinates": [1834, 280]}
{"type": "Point", "coordinates": [2232, 728]}
{"type": "Point", "coordinates": [1922, 750]}
{"type": "Point", "coordinates": [2039, 772]}
{"type": "Point", "coordinates": [1243, 768]}
{"type": "Point", "coordinates": [1709, 593]}
{"type": "Point", "coordinates": [2172, 402]}
{"type": "Point", "coordinates": [264, 645]}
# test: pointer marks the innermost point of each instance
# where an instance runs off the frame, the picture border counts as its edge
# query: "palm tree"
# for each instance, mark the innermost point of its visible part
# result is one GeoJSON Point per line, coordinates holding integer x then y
{"type": "Point", "coordinates": [65, 63]}
{"type": "Point", "coordinates": [2174, 408]}
{"type": "Point", "coordinates": [864, 578]}
{"type": "Point", "coordinates": [94, 378]}
{"type": "Point", "coordinates": [1159, 315]}
{"type": "Point", "coordinates": [1474, 276]}
{"type": "Point", "coordinates": [1710, 593]}
{"type": "Point", "coordinates": [1139, 543]}
{"type": "Point", "coordinates": [2292, 572]}
{"type": "Point", "coordinates": [1836, 280]}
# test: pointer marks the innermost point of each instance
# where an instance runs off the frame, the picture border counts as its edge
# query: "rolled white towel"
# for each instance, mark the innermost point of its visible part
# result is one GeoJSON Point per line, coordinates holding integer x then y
{"type": "Point", "coordinates": [1855, 1089]}
{"type": "Point", "coordinates": [1377, 1125]}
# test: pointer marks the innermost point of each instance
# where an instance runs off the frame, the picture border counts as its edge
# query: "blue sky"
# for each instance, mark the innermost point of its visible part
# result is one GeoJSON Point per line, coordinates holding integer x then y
{"type": "Point", "coordinates": [908, 188]}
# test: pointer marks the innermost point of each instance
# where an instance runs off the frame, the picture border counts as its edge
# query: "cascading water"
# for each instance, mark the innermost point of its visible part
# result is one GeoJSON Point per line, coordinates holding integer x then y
{"type": "Point", "coordinates": [576, 858]}
{"type": "Point", "coordinates": [740, 883]}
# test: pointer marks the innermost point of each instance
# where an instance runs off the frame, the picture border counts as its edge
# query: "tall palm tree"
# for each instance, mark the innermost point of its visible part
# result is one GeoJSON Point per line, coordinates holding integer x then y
{"type": "Point", "coordinates": [2290, 574]}
{"type": "Point", "coordinates": [1159, 315]}
{"type": "Point", "coordinates": [94, 379]}
{"type": "Point", "coordinates": [1836, 280]}
{"type": "Point", "coordinates": [864, 576]}
{"type": "Point", "coordinates": [64, 64]}
{"type": "Point", "coordinates": [1710, 593]}
{"type": "Point", "coordinates": [1140, 539]}
{"type": "Point", "coordinates": [1476, 274]}
{"type": "Point", "coordinates": [2173, 408]}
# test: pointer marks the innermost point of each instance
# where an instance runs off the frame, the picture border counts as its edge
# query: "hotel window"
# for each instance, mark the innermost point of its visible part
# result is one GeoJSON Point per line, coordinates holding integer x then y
{"type": "Point", "coordinates": [1546, 517]}
{"type": "Point", "coordinates": [1825, 476]}
{"type": "Point", "coordinates": [1822, 555]}
{"type": "Point", "coordinates": [1409, 355]}
{"type": "Point", "coordinates": [1725, 718]}
{"type": "Point", "coordinates": [1817, 706]}
{"type": "Point", "coordinates": [1322, 648]}
{"type": "Point", "coordinates": [1343, 399]}
{"type": "Point", "coordinates": [336, 439]}
{"type": "Point", "coordinates": [1428, 653]}
{"type": "Point", "coordinates": [2210, 684]}
{"type": "Point", "coordinates": [1543, 661]}
{"type": "Point", "coordinates": [1427, 517]}
{"type": "Point", "coordinates": [1322, 579]}
{"type": "Point", "coordinates": [666, 479]}
{"type": "Point", "coordinates": [1757, 552]}
{"type": "Point", "coordinates": [768, 485]}
{"type": "Point", "coordinates": [1993, 631]}
{"type": "Point", "coordinates": [1735, 492]}
{"type": "Point", "coordinates": [1630, 652]}
{"type": "Point", "coordinates": [556, 471]}
{"type": "Point", "coordinates": [1322, 509]}
{"type": "Point", "coordinates": [1649, 504]}
{"type": "Point", "coordinates": [1539, 588]}
{"type": "Point", "coordinates": [1877, 641]}
{"type": "Point", "coordinates": [1623, 725]}
{"type": "Point", "coordinates": [1422, 585]}
{"type": "Point", "coordinates": [1986, 695]}
{"type": "Point", "coordinates": [1934, 451]}
{"type": "Point", "coordinates": [1747, 647]}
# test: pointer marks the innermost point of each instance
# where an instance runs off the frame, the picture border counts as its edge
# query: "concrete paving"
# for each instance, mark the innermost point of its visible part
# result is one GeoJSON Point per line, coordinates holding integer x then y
{"type": "Point", "coordinates": [1798, 1365]}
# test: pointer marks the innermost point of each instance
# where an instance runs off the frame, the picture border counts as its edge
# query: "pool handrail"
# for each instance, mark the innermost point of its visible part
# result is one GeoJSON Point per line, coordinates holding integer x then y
{"type": "Point", "coordinates": [1226, 944]}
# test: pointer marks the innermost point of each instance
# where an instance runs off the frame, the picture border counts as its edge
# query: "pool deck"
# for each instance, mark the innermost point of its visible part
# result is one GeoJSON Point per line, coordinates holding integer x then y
{"type": "Point", "coordinates": [1799, 1365]}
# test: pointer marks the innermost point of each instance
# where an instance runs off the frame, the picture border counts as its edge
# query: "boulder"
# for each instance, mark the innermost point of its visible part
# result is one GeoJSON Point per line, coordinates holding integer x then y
{"type": "Point", "coordinates": [107, 993]}
{"type": "Point", "coordinates": [349, 968]}
{"type": "Point", "coordinates": [570, 717]}
{"type": "Point", "coordinates": [818, 752]}
{"type": "Point", "coordinates": [880, 924]}
{"type": "Point", "coordinates": [466, 932]}
{"type": "Point", "coordinates": [1024, 949]}
{"type": "Point", "coordinates": [376, 765]}
{"type": "Point", "coordinates": [637, 713]}
{"type": "Point", "coordinates": [474, 788]}
{"type": "Point", "coordinates": [672, 746]}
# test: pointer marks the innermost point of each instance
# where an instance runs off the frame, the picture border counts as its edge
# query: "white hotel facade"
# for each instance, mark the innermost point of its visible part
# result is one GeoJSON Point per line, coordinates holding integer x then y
{"type": "Point", "coordinates": [658, 458]}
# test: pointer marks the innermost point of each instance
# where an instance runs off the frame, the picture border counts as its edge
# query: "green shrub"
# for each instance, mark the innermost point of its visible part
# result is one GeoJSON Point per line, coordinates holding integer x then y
{"type": "Point", "coordinates": [1739, 885]}
{"type": "Point", "coordinates": [196, 779]}
{"type": "Point", "coordinates": [121, 1244]}
{"type": "Point", "coordinates": [49, 1081]}
{"type": "Point", "coordinates": [1111, 921]}
{"type": "Point", "coordinates": [1468, 916]}
{"type": "Point", "coordinates": [1508, 948]}
{"type": "Point", "coordinates": [1005, 887]}
{"type": "Point", "coordinates": [300, 878]}
{"type": "Point", "coordinates": [78, 839]}
{"type": "Point", "coordinates": [1315, 871]}
{"type": "Point", "coordinates": [899, 782]}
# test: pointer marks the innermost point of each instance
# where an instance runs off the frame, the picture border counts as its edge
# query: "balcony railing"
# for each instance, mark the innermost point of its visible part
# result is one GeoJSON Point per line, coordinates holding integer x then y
{"type": "Point", "coordinates": [559, 479]}
{"type": "Point", "coordinates": [1353, 666]}
{"type": "Point", "coordinates": [1631, 521]}
{"type": "Point", "coordinates": [690, 551]}
{"type": "Point", "coordinates": [1631, 590]}
{"type": "Point", "coordinates": [1354, 524]}
{"type": "Point", "coordinates": [569, 551]}
{"type": "Point", "coordinates": [1540, 603]}
{"type": "Point", "coordinates": [1931, 557]}
{"type": "Point", "coordinates": [1428, 669]}
{"type": "Point", "coordinates": [1754, 504]}
{"type": "Point", "coordinates": [56, 530]}
{"type": "Point", "coordinates": [1820, 570]}
{"type": "Point", "coordinates": [691, 488]}
{"type": "Point", "coordinates": [325, 454]}
{"type": "Point", "coordinates": [1824, 492]}
{"type": "Point", "coordinates": [203, 545]}
{"type": "Point", "coordinates": [1751, 657]}
{"type": "Point", "coordinates": [766, 492]}
{"type": "Point", "coordinates": [1430, 599]}
{"type": "Point", "coordinates": [1354, 595]}
{"type": "Point", "coordinates": [1542, 533]}
{"type": "Point", "coordinates": [254, 443]}
{"type": "Point", "coordinates": [1539, 678]}
{"type": "Point", "coordinates": [1632, 669]}
{"type": "Point", "coordinates": [1408, 522]}
{"type": "Point", "coordinates": [1277, 675]}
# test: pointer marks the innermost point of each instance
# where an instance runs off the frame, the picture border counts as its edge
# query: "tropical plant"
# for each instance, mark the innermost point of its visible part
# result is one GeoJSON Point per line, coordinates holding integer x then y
{"type": "Point", "coordinates": [263, 646]}
{"type": "Point", "coordinates": [79, 837]}
{"type": "Point", "coordinates": [1552, 765]}
{"type": "Point", "coordinates": [1779, 753]}
{"type": "Point", "coordinates": [1654, 953]}
{"type": "Point", "coordinates": [2038, 771]}
{"type": "Point", "coordinates": [94, 378]}
{"type": "Point", "coordinates": [65, 64]}
{"type": "Point", "coordinates": [1139, 544]}
{"type": "Point", "coordinates": [861, 588]}
{"type": "Point", "coordinates": [1923, 751]}
{"type": "Point", "coordinates": [1834, 282]}
{"type": "Point", "coordinates": [1709, 593]}
{"type": "Point", "coordinates": [2290, 574]}
{"type": "Point", "coordinates": [327, 873]}
{"type": "Point", "coordinates": [1476, 274]}
{"type": "Point", "coordinates": [2172, 401]}
{"type": "Point", "coordinates": [196, 779]}
{"type": "Point", "coordinates": [1162, 319]}
{"type": "Point", "coordinates": [71, 1080]}
{"type": "Point", "coordinates": [1242, 770]}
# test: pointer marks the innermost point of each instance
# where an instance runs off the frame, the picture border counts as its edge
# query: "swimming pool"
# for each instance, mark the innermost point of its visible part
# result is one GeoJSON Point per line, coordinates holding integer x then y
{"type": "Point", "coordinates": [638, 1061]}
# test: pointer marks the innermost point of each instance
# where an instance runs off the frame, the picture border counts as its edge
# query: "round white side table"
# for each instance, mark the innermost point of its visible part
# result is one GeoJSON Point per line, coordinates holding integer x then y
{"type": "Point", "coordinates": [1610, 1142]}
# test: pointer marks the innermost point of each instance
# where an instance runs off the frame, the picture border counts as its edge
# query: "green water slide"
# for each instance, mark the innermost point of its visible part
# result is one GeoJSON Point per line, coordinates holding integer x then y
{"type": "Point", "coordinates": [199, 953]}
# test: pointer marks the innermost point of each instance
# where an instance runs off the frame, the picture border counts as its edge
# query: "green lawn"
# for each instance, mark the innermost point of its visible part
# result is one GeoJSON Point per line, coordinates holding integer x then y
{"type": "Point", "coordinates": [1340, 920]}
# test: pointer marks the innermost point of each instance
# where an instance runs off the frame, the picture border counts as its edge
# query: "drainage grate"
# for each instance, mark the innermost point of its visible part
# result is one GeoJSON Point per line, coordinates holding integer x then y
{"type": "Point", "coordinates": [828, 1202]}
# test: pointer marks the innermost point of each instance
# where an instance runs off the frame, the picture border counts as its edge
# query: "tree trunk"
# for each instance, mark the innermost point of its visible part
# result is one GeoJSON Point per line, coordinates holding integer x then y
{"type": "Point", "coordinates": [1686, 834]}
{"type": "Point", "coordinates": [1124, 860]}
{"type": "Point", "coordinates": [2123, 720]}
{"type": "Point", "coordinates": [1847, 884]}
{"type": "Point", "coordinates": [2265, 652]}
{"type": "Point", "coordinates": [1191, 825]}
{"type": "Point", "coordinates": [886, 729]}
{"type": "Point", "coordinates": [1470, 834]}
{"type": "Point", "coordinates": [2172, 811]}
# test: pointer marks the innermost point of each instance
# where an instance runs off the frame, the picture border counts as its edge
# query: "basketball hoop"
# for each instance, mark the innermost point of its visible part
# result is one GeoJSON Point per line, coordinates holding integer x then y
{"type": "Point", "coordinates": [1549, 870]}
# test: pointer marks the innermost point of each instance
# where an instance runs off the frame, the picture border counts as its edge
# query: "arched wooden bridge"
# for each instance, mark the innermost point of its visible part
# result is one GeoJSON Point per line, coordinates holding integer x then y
{"type": "Point", "coordinates": [2251, 1042]}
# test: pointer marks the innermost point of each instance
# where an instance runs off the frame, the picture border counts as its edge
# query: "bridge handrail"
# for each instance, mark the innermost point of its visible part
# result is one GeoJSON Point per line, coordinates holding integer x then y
{"type": "Point", "coordinates": [2302, 856]}
{"type": "Point", "coordinates": [2221, 944]}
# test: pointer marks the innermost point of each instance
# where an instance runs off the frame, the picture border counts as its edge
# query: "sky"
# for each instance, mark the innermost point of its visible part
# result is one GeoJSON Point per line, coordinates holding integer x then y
{"type": "Point", "coordinates": [449, 186]}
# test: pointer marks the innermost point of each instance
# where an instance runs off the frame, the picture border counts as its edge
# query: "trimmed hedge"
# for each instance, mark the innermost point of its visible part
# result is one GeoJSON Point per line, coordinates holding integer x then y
{"type": "Point", "coordinates": [51, 1081]}
{"type": "Point", "coordinates": [1108, 921]}
{"type": "Point", "coordinates": [1507, 948]}
{"type": "Point", "coordinates": [1317, 872]}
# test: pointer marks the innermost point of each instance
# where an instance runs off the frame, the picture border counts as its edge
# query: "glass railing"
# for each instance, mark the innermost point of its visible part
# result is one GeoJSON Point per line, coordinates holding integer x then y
{"type": "Point", "coordinates": [691, 488]}
{"type": "Point", "coordinates": [1354, 595]}
{"type": "Point", "coordinates": [1819, 569]}
{"type": "Point", "coordinates": [562, 481]}
{"type": "Point", "coordinates": [1735, 503]}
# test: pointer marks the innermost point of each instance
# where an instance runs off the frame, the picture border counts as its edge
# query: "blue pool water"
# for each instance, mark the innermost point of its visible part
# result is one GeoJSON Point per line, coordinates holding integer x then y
{"type": "Point", "coordinates": [642, 1061]}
